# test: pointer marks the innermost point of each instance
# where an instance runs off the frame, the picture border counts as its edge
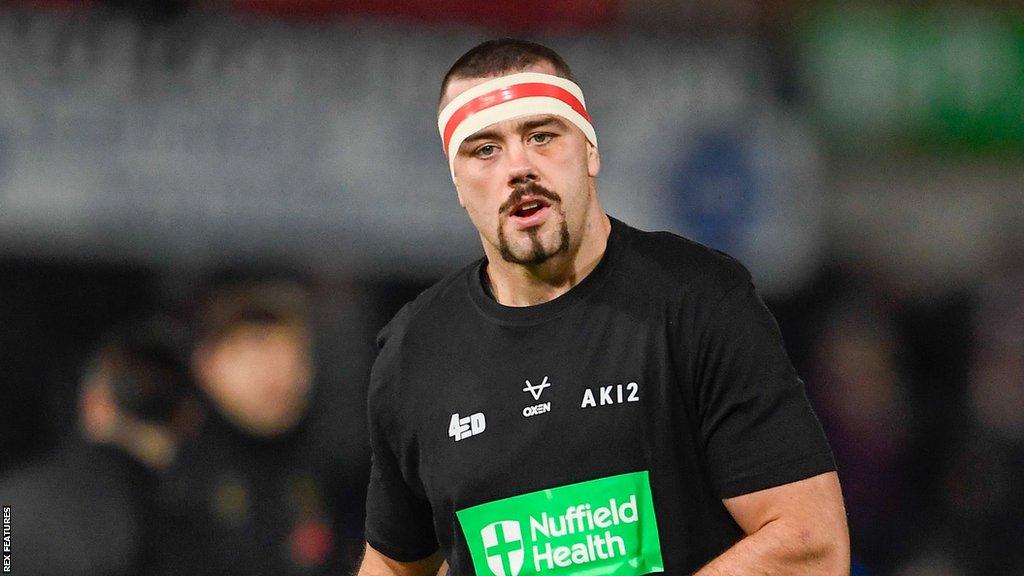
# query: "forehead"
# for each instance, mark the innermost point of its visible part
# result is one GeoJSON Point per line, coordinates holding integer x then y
{"type": "Point", "coordinates": [458, 85]}
{"type": "Point", "coordinates": [520, 124]}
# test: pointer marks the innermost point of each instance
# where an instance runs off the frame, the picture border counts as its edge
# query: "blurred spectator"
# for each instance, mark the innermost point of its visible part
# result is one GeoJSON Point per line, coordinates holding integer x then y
{"type": "Point", "coordinates": [860, 397]}
{"type": "Point", "coordinates": [95, 506]}
{"type": "Point", "coordinates": [996, 394]}
{"type": "Point", "coordinates": [265, 491]}
{"type": "Point", "coordinates": [978, 519]}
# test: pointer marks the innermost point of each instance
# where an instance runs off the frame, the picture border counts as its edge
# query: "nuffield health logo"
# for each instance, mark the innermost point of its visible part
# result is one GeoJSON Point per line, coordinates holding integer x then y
{"type": "Point", "coordinates": [503, 545]}
{"type": "Point", "coordinates": [605, 526]}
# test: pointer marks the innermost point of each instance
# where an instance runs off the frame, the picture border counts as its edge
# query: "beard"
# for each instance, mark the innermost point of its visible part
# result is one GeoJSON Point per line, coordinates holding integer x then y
{"type": "Point", "coordinates": [536, 252]}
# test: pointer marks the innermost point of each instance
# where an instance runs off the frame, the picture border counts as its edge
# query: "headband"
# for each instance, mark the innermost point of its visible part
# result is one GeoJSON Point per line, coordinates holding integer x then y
{"type": "Point", "coordinates": [507, 97]}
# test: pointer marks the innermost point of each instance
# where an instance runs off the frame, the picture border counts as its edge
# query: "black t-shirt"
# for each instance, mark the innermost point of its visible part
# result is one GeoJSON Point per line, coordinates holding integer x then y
{"type": "Point", "coordinates": [600, 430]}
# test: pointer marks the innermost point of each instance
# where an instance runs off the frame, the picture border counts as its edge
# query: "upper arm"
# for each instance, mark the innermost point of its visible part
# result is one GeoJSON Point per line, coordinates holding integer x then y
{"type": "Point", "coordinates": [814, 506]}
{"type": "Point", "coordinates": [756, 423]}
{"type": "Point", "coordinates": [399, 516]}
{"type": "Point", "coordinates": [377, 564]}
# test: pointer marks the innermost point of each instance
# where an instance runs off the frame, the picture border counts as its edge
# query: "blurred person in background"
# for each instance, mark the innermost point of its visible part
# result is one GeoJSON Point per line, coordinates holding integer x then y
{"type": "Point", "coordinates": [976, 525]}
{"type": "Point", "coordinates": [862, 401]}
{"type": "Point", "coordinates": [96, 507]}
{"type": "Point", "coordinates": [265, 491]}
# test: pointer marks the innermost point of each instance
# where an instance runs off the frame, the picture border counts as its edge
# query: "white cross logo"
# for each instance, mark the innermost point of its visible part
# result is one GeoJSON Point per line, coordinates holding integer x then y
{"type": "Point", "coordinates": [538, 389]}
{"type": "Point", "coordinates": [503, 546]}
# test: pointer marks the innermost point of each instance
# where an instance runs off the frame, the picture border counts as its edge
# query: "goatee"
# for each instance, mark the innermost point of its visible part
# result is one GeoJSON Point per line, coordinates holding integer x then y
{"type": "Point", "coordinates": [537, 253]}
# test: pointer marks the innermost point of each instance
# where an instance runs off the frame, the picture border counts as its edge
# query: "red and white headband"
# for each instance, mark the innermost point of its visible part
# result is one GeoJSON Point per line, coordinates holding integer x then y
{"type": "Point", "coordinates": [512, 96]}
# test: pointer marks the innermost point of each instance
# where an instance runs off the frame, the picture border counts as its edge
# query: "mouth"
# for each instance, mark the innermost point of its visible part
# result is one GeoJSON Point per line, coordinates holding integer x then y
{"type": "Point", "coordinates": [530, 212]}
{"type": "Point", "coordinates": [529, 207]}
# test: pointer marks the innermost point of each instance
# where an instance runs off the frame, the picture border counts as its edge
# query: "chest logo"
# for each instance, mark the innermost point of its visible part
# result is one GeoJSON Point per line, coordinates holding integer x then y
{"type": "Point", "coordinates": [604, 526]}
{"type": "Point", "coordinates": [536, 391]}
{"type": "Point", "coordinates": [614, 394]}
{"type": "Point", "coordinates": [503, 547]}
{"type": "Point", "coordinates": [464, 427]}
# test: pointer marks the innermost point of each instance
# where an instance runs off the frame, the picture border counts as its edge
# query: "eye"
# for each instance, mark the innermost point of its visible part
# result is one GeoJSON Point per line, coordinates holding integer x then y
{"type": "Point", "coordinates": [485, 151]}
{"type": "Point", "coordinates": [541, 137]}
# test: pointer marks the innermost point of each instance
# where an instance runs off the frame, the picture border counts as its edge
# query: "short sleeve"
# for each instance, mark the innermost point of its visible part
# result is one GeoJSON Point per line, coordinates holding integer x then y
{"type": "Point", "coordinates": [758, 427]}
{"type": "Point", "coordinates": [399, 521]}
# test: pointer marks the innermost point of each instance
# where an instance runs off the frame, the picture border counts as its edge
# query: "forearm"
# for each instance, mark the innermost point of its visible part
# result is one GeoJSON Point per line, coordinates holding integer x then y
{"type": "Point", "coordinates": [781, 548]}
{"type": "Point", "coordinates": [376, 564]}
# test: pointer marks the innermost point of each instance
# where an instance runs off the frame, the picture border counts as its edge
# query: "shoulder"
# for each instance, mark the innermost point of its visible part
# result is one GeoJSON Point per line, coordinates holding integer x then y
{"type": "Point", "coordinates": [420, 324]}
{"type": "Point", "coordinates": [444, 297]}
{"type": "Point", "coordinates": [404, 347]}
{"type": "Point", "coordinates": [30, 482]}
{"type": "Point", "coordinates": [674, 264]}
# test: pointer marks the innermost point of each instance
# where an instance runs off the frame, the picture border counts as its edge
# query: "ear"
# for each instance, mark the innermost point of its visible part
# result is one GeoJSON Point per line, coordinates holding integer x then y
{"type": "Point", "coordinates": [458, 192]}
{"type": "Point", "coordinates": [593, 160]}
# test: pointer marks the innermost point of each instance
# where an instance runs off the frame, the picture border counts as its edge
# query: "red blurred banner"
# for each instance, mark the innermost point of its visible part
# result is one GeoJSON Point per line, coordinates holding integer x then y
{"type": "Point", "coordinates": [513, 15]}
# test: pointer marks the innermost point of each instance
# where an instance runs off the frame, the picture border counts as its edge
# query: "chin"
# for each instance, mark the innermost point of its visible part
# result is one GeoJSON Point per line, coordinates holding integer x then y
{"type": "Point", "coordinates": [526, 252]}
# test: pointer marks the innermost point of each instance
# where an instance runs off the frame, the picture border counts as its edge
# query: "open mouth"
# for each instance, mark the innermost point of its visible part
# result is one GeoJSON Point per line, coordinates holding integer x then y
{"type": "Point", "coordinates": [529, 208]}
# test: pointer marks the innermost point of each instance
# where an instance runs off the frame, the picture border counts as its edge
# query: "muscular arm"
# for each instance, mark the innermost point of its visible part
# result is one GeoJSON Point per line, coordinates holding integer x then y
{"type": "Point", "coordinates": [377, 564]}
{"type": "Point", "coordinates": [796, 528]}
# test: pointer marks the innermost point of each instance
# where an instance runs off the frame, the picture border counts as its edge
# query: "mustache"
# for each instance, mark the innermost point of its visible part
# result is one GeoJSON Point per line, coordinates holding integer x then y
{"type": "Point", "coordinates": [524, 190]}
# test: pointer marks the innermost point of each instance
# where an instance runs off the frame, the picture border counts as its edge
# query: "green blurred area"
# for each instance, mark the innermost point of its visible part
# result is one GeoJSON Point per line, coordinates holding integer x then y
{"type": "Point", "coordinates": [935, 78]}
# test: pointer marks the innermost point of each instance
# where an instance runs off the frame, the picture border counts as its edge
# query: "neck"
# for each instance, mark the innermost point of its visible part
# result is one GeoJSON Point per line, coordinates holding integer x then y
{"type": "Point", "coordinates": [520, 285]}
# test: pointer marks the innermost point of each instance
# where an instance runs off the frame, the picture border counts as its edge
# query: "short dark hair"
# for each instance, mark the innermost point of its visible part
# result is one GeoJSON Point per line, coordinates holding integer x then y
{"type": "Point", "coordinates": [145, 361]}
{"type": "Point", "coordinates": [272, 302]}
{"type": "Point", "coordinates": [496, 57]}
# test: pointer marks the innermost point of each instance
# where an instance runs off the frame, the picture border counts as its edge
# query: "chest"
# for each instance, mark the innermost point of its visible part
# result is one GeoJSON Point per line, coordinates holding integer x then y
{"type": "Point", "coordinates": [513, 411]}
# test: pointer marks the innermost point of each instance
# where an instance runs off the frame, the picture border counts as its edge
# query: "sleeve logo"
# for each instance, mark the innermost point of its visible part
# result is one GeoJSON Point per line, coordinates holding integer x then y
{"type": "Point", "coordinates": [460, 428]}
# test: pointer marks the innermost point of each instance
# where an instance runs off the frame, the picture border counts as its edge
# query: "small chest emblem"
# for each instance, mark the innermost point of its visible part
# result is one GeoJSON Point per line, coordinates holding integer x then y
{"type": "Point", "coordinates": [536, 391]}
{"type": "Point", "coordinates": [460, 428]}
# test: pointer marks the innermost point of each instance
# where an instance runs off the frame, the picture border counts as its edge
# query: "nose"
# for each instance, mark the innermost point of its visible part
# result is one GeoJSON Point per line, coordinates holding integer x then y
{"type": "Point", "coordinates": [521, 168]}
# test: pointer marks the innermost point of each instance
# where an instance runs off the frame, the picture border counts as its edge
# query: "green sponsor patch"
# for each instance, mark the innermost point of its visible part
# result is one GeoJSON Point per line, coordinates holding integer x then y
{"type": "Point", "coordinates": [595, 528]}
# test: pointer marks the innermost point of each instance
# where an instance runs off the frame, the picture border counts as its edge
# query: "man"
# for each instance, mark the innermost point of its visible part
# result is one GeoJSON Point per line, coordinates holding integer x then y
{"type": "Point", "coordinates": [265, 489]}
{"type": "Point", "coordinates": [587, 398]}
{"type": "Point", "coordinates": [95, 506]}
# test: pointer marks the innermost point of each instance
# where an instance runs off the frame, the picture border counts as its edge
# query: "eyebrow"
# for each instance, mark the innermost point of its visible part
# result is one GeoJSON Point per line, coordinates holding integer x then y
{"type": "Point", "coordinates": [481, 135]}
{"type": "Point", "coordinates": [522, 127]}
{"type": "Point", "coordinates": [541, 122]}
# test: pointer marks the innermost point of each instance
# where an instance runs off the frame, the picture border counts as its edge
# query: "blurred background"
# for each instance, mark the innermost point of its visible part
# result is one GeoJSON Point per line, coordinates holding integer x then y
{"type": "Point", "coordinates": [188, 186]}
